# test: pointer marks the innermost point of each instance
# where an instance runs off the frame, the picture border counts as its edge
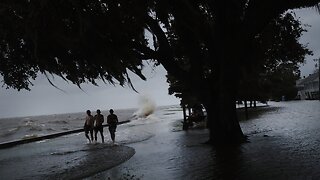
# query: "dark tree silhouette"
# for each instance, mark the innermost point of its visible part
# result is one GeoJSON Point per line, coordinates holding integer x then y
{"type": "Point", "coordinates": [277, 53]}
{"type": "Point", "coordinates": [203, 44]}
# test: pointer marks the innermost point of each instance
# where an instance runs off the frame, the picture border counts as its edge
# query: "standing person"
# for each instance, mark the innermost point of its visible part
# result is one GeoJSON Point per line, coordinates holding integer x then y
{"type": "Point", "coordinates": [99, 119]}
{"type": "Point", "coordinates": [88, 126]}
{"type": "Point", "coordinates": [112, 121]}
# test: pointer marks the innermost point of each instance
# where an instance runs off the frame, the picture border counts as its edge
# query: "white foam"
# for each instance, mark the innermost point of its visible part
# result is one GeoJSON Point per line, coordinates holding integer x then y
{"type": "Point", "coordinates": [146, 107]}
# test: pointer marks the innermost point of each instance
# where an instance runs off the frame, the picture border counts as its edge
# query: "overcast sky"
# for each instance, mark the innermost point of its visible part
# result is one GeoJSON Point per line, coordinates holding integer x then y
{"type": "Point", "coordinates": [45, 99]}
{"type": "Point", "coordinates": [311, 37]}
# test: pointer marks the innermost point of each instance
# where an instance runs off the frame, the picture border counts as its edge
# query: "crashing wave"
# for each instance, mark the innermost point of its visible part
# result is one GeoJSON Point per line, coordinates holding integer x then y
{"type": "Point", "coordinates": [146, 107]}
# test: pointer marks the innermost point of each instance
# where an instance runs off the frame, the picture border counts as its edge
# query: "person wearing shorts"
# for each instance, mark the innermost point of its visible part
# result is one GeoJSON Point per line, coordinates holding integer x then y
{"type": "Point", "coordinates": [112, 121]}
{"type": "Point", "coordinates": [99, 119]}
{"type": "Point", "coordinates": [88, 126]}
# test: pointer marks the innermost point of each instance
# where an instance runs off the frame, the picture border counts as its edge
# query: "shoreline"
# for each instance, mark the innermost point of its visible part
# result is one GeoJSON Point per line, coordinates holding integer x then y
{"type": "Point", "coordinates": [64, 157]}
{"type": "Point", "coordinates": [282, 145]}
{"type": "Point", "coordinates": [9, 144]}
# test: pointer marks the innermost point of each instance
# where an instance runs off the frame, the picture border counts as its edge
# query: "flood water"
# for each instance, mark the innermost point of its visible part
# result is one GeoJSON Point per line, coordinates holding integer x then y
{"type": "Point", "coordinates": [284, 143]}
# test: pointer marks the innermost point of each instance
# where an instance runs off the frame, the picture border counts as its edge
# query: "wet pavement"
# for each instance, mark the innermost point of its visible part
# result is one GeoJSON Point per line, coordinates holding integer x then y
{"type": "Point", "coordinates": [284, 144]}
{"type": "Point", "coordinates": [67, 157]}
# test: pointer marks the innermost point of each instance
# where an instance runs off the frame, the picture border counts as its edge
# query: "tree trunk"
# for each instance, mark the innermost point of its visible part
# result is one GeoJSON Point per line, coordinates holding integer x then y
{"type": "Point", "coordinates": [221, 109]}
{"type": "Point", "coordinates": [185, 123]}
{"type": "Point", "coordinates": [246, 109]}
{"type": "Point", "coordinates": [223, 121]}
{"type": "Point", "coordinates": [227, 53]}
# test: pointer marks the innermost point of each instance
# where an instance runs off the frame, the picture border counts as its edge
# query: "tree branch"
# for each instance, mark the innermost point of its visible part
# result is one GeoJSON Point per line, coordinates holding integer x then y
{"type": "Point", "coordinates": [260, 13]}
{"type": "Point", "coordinates": [165, 54]}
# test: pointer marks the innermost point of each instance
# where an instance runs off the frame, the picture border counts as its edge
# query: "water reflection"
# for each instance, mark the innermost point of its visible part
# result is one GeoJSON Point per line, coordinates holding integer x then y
{"type": "Point", "coordinates": [229, 162]}
{"type": "Point", "coordinates": [284, 143]}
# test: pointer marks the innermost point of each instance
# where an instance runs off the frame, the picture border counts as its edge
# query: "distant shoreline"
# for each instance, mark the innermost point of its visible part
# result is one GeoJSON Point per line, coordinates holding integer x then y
{"type": "Point", "coordinates": [65, 113]}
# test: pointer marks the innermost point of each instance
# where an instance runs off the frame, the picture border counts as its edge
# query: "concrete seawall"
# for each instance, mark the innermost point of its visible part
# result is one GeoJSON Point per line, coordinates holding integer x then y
{"type": "Point", "coordinates": [50, 136]}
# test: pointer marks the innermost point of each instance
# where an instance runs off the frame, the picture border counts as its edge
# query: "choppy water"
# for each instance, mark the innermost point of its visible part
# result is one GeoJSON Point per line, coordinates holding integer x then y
{"type": "Point", "coordinates": [34, 126]}
{"type": "Point", "coordinates": [71, 156]}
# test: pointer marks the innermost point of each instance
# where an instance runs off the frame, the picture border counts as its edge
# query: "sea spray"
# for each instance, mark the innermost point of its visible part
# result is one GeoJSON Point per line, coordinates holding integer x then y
{"type": "Point", "coordinates": [146, 107]}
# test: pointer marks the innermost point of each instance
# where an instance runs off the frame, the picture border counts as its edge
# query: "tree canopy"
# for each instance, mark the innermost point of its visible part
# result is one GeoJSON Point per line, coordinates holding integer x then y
{"type": "Point", "coordinates": [79, 41]}
{"type": "Point", "coordinates": [207, 45]}
{"type": "Point", "coordinates": [277, 54]}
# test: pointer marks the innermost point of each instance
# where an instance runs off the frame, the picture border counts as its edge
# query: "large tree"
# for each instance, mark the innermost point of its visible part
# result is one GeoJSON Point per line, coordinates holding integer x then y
{"type": "Point", "coordinates": [204, 44]}
{"type": "Point", "coordinates": [277, 53]}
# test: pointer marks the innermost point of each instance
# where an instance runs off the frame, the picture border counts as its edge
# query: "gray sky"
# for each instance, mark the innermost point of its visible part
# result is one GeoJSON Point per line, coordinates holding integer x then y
{"type": "Point", "coordinates": [45, 99]}
{"type": "Point", "coordinates": [311, 37]}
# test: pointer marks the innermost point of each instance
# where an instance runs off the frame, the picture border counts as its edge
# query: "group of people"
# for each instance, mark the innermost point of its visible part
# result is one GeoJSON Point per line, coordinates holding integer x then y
{"type": "Point", "coordinates": [94, 124]}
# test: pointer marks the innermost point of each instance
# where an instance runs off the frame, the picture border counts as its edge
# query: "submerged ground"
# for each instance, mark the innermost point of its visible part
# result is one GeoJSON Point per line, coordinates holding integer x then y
{"type": "Point", "coordinates": [284, 144]}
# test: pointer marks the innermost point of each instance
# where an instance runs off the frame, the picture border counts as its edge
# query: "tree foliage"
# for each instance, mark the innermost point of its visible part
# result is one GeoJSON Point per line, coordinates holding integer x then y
{"type": "Point", "coordinates": [79, 41]}
{"type": "Point", "coordinates": [205, 45]}
{"type": "Point", "coordinates": [277, 53]}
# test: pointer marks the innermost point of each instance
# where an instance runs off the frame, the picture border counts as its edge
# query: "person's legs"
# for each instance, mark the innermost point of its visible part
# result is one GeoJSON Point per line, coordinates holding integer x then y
{"type": "Point", "coordinates": [91, 133]}
{"type": "Point", "coordinates": [88, 137]}
{"type": "Point", "coordinates": [101, 133]}
{"type": "Point", "coordinates": [112, 134]}
{"type": "Point", "coordinates": [95, 134]}
{"type": "Point", "coordinates": [86, 131]}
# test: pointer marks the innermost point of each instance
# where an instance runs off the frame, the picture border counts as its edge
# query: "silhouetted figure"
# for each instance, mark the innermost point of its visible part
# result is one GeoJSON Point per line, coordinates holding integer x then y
{"type": "Point", "coordinates": [88, 126]}
{"type": "Point", "coordinates": [99, 119]}
{"type": "Point", "coordinates": [112, 120]}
